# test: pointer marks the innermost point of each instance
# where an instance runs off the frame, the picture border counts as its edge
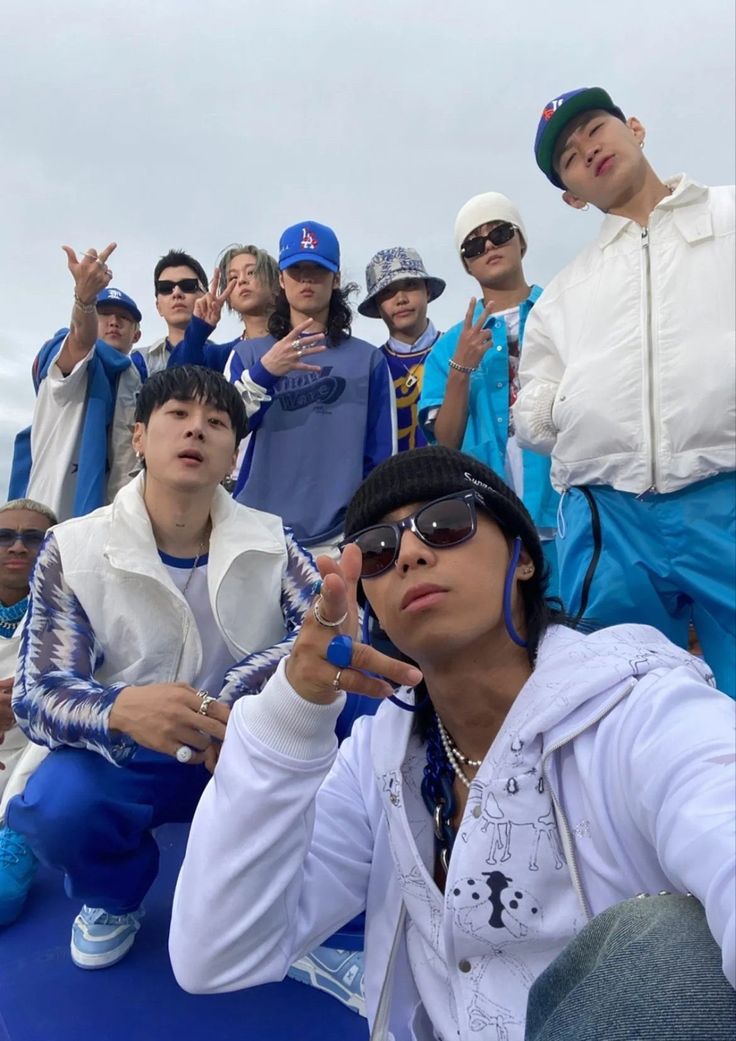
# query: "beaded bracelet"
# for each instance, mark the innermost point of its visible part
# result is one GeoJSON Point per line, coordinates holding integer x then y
{"type": "Point", "coordinates": [467, 369]}
{"type": "Point", "coordinates": [85, 308]}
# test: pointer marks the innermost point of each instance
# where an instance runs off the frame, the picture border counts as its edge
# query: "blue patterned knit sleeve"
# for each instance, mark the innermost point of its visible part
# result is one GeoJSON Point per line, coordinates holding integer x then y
{"type": "Point", "coordinates": [56, 699]}
{"type": "Point", "coordinates": [297, 592]}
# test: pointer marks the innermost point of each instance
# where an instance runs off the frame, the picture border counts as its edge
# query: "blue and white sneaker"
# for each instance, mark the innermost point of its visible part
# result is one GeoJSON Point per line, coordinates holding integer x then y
{"type": "Point", "coordinates": [100, 939]}
{"type": "Point", "coordinates": [18, 867]}
{"type": "Point", "coordinates": [339, 973]}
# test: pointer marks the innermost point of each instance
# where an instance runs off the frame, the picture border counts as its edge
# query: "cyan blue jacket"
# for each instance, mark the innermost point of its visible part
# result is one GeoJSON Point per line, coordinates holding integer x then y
{"type": "Point", "coordinates": [487, 428]}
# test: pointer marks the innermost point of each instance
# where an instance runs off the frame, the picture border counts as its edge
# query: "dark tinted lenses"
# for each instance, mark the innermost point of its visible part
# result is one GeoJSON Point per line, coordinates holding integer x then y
{"type": "Point", "coordinates": [445, 522]}
{"type": "Point", "coordinates": [187, 285]}
{"type": "Point", "coordinates": [378, 546]}
{"type": "Point", "coordinates": [499, 235]}
{"type": "Point", "coordinates": [442, 523]}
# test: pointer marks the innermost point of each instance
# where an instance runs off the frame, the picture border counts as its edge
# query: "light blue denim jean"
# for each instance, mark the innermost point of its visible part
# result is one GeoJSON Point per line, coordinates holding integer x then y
{"type": "Point", "coordinates": [645, 970]}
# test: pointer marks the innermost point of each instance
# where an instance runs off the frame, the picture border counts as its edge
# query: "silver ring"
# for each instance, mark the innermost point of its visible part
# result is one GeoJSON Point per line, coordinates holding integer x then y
{"type": "Point", "coordinates": [336, 681]}
{"type": "Point", "coordinates": [296, 346]}
{"type": "Point", "coordinates": [184, 754]}
{"type": "Point", "coordinates": [206, 702]}
{"type": "Point", "coordinates": [323, 621]}
{"type": "Point", "coordinates": [203, 694]}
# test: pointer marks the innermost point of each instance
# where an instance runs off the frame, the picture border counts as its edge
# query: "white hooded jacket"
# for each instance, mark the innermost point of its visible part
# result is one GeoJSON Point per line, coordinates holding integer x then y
{"type": "Point", "coordinates": [638, 754]}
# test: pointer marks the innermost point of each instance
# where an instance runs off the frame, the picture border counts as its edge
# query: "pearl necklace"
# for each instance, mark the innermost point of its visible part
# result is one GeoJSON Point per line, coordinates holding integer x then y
{"type": "Point", "coordinates": [455, 757]}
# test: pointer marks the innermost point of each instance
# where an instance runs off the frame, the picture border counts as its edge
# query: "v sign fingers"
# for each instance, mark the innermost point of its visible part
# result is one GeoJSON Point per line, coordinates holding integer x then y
{"type": "Point", "coordinates": [474, 340]}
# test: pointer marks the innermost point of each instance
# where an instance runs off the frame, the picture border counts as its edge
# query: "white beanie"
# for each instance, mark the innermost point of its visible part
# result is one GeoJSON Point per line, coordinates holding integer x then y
{"type": "Point", "coordinates": [482, 209]}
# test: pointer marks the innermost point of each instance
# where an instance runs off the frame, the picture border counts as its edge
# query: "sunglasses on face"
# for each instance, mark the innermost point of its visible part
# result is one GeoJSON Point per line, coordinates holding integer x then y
{"type": "Point", "coordinates": [445, 522]}
{"type": "Point", "coordinates": [187, 285]}
{"type": "Point", "coordinates": [31, 538]}
{"type": "Point", "coordinates": [498, 236]}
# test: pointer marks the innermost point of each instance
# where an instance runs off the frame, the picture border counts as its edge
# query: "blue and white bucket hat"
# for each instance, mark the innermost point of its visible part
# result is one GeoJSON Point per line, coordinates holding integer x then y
{"type": "Point", "coordinates": [394, 265]}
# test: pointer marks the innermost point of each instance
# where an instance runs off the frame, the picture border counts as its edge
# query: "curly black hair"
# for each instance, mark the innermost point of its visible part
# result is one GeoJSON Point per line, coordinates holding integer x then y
{"type": "Point", "coordinates": [339, 319]}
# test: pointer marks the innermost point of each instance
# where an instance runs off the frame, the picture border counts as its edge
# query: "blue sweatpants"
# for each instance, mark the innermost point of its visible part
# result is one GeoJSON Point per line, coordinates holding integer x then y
{"type": "Point", "coordinates": [665, 560]}
{"type": "Point", "coordinates": [93, 820]}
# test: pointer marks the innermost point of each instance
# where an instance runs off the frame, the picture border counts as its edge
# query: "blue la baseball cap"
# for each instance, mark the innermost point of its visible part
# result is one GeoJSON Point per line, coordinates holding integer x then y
{"type": "Point", "coordinates": [557, 113]}
{"type": "Point", "coordinates": [120, 299]}
{"type": "Point", "coordinates": [309, 241]}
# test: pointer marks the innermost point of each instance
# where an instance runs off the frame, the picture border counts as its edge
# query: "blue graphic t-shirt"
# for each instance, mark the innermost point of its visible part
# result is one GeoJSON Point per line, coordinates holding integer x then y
{"type": "Point", "coordinates": [317, 436]}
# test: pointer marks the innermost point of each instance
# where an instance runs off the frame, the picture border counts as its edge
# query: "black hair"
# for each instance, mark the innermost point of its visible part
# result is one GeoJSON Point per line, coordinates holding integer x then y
{"type": "Point", "coordinates": [192, 383]}
{"type": "Point", "coordinates": [339, 318]}
{"type": "Point", "coordinates": [178, 258]}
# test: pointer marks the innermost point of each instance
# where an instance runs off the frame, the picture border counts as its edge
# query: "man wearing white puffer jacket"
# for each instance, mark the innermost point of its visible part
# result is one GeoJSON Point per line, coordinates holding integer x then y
{"type": "Point", "coordinates": [628, 382]}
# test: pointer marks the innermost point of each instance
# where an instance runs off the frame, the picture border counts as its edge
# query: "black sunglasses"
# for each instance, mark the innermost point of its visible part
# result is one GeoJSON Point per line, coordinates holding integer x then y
{"type": "Point", "coordinates": [442, 523]}
{"type": "Point", "coordinates": [31, 537]}
{"type": "Point", "coordinates": [166, 287]}
{"type": "Point", "coordinates": [499, 235]}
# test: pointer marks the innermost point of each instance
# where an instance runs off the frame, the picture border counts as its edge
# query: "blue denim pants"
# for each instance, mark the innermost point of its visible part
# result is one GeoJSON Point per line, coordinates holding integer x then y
{"type": "Point", "coordinates": [664, 560]}
{"type": "Point", "coordinates": [645, 970]}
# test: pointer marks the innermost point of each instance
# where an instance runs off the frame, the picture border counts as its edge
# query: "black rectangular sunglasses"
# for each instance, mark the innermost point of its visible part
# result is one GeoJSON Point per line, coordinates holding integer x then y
{"type": "Point", "coordinates": [166, 286]}
{"type": "Point", "coordinates": [442, 523]}
{"type": "Point", "coordinates": [498, 236]}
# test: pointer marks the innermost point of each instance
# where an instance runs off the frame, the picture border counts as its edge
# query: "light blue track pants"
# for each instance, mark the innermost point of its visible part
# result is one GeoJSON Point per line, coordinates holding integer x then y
{"type": "Point", "coordinates": [664, 560]}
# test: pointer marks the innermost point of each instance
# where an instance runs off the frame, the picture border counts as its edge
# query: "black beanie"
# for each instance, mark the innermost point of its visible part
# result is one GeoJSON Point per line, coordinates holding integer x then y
{"type": "Point", "coordinates": [423, 474]}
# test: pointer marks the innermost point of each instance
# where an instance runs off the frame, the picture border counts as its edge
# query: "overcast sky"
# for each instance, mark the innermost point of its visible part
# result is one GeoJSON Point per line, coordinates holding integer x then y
{"type": "Point", "coordinates": [168, 123]}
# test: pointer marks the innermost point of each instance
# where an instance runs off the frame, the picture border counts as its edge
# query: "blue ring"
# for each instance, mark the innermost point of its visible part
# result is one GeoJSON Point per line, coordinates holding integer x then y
{"type": "Point", "coordinates": [340, 651]}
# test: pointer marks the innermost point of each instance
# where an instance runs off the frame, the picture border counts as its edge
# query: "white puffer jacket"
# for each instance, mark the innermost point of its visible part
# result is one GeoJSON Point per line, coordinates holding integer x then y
{"type": "Point", "coordinates": [628, 374]}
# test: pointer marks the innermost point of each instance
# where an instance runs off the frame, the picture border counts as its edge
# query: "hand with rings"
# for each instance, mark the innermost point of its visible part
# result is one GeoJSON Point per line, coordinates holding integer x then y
{"type": "Point", "coordinates": [172, 718]}
{"type": "Point", "coordinates": [90, 272]}
{"type": "Point", "coordinates": [286, 355]}
{"type": "Point", "coordinates": [326, 658]}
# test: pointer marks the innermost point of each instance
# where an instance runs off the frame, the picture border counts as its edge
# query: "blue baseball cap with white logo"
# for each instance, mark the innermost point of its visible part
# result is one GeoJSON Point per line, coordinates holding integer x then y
{"type": "Point", "coordinates": [309, 241]}
{"type": "Point", "coordinates": [557, 113]}
{"type": "Point", "coordinates": [119, 299]}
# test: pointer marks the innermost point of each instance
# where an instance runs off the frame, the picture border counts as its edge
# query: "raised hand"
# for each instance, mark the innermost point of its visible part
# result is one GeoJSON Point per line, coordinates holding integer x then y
{"type": "Point", "coordinates": [165, 716]}
{"type": "Point", "coordinates": [209, 307]}
{"type": "Point", "coordinates": [474, 339]}
{"type": "Point", "coordinates": [90, 272]}
{"type": "Point", "coordinates": [286, 355]}
{"type": "Point", "coordinates": [309, 672]}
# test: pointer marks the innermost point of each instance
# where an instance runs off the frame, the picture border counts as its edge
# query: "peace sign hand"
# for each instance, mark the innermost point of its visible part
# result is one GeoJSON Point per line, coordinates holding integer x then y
{"type": "Point", "coordinates": [209, 307]}
{"type": "Point", "coordinates": [286, 355]}
{"type": "Point", "coordinates": [309, 672]}
{"type": "Point", "coordinates": [474, 339]}
{"type": "Point", "coordinates": [90, 273]}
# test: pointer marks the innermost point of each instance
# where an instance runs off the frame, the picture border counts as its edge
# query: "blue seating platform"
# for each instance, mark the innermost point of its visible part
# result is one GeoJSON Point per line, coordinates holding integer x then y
{"type": "Point", "coordinates": [44, 997]}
